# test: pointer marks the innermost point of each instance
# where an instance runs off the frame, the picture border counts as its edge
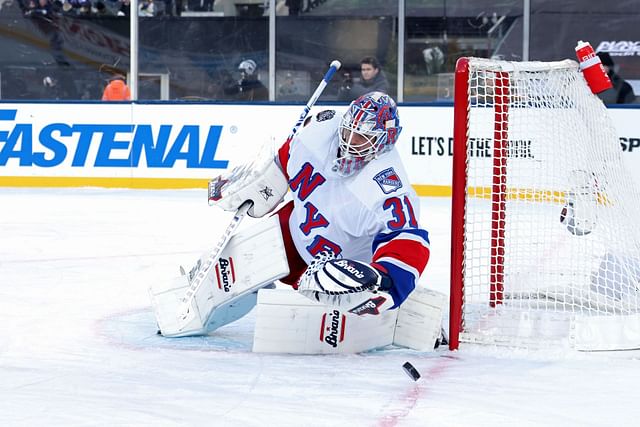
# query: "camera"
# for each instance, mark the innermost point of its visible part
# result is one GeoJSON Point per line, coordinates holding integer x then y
{"type": "Point", "coordinates": [347, 80]}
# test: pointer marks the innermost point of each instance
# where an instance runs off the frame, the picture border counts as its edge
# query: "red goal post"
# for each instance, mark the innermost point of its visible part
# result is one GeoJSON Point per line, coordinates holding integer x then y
{"type": "Point", "coordinates": [544, 247]}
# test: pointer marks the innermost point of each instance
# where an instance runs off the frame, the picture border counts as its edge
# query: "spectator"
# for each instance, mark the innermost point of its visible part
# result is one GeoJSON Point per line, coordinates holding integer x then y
{"type": "Point", "coordinates": [147, 8]}
{"type": "Point", "coordinates": [38, 9]}
{"type": "Point", "coordinates": [101, 9]}
{"type": "Point", "coordinates": [207, 5]}
{"type": "Point", "coordinates": [53, 89]}
{"type": "Point", "coordinates": [116, 90]}
{"type": "Point", "coordinates": [372, 79]}
{"type": "Point", "coordinates": [125, 8]}
{"type": "Point", "coordinates": [67, 7]}
{"type": "Point", "coordinates": [248, 87]}
{"type": "Point", "coordinates": [621, 92]}
{"type": "Point", "coordinates": [433, 59]}
{"type": "Point", "coordinates": [81, 7]}
{"type": "Point", "coordinates": [295, 7]}
{"type": "Point", "coordinates": [44, 8]}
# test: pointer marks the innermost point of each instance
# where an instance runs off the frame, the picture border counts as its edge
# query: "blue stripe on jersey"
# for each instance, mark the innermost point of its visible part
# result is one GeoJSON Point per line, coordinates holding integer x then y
{"type": "Point", "coordinates": [385, 237]}
{"type": "Point", "coordinates": [404, 282]}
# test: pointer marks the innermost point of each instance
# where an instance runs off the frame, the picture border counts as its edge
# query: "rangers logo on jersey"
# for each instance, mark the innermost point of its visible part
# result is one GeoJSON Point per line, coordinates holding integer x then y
{"type": "Point", "coordinates": [388, 180]}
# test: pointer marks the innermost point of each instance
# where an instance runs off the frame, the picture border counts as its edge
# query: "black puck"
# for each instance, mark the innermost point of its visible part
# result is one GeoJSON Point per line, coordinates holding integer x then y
{"type": "Point", "coordinates": [411, 371]}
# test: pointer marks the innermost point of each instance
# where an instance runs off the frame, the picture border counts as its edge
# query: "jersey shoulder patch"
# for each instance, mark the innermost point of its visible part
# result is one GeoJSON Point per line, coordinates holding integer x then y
{"type": "Point", "coordinates": [388, 180]}
{"type": "Point", "coordinates": [325, 115]}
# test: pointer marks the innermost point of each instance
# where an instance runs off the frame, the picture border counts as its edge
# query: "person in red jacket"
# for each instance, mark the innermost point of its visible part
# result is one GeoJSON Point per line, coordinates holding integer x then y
{"type": "Point", "coordinates": [116, 90]}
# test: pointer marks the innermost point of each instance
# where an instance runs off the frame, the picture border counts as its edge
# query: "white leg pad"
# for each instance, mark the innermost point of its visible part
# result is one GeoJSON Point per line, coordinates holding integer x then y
{"type": "Point", "coordinates": [287, 322]}
{"type": "Point", "coordinates": [420, 319]}
{"type": "Point", "coordinates": [253, 258]}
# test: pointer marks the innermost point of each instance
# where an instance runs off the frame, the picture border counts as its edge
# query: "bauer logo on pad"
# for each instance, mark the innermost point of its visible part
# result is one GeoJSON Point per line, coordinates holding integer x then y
{"type": "Point", "coordinates": [388, 180]}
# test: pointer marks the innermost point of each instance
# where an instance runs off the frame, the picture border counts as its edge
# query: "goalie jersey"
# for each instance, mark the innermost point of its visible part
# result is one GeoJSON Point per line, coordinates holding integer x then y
{"type": "Point", "coordinates": [371, 216]}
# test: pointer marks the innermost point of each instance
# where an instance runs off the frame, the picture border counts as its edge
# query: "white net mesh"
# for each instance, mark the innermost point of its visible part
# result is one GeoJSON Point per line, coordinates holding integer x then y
{"type": "Point", "coordinates": [550, 215]}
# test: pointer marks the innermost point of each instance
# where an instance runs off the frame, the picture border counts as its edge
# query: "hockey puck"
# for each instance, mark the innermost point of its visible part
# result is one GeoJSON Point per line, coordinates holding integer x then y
{"type": "Point", "coordinates": [411, 371]}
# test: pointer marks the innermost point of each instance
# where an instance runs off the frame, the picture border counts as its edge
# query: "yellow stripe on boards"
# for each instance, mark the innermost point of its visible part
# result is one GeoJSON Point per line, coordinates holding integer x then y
{"type": "Point", "coordinates": [155, 183]}
{"type": "Point", "coordinates": [186, 183]}
{"type": "Point", "coordinates": [72, 181]}
{"type": "Point", "coordinates": [432, 190]}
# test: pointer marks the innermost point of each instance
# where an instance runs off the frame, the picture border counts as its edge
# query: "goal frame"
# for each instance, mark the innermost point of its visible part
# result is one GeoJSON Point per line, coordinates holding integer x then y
{"type": "Point", "coordinates": [458, 188]}
{"type": "Point", "coordinates": [621, 331]}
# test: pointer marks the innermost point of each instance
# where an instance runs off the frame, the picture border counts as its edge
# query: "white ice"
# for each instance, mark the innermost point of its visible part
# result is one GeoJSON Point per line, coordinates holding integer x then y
{"type": "Point", "coordinates": [78, 344]}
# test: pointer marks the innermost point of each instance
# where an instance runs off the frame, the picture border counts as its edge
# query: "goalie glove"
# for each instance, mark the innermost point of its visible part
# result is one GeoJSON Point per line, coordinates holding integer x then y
{"type": "Point", "coordinates": [260, 181]}
{"type": "Point", "coordinates": [351, 285]}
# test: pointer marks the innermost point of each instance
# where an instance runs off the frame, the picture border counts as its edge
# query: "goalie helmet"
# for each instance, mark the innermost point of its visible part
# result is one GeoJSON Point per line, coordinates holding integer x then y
{"type": "Point", "coordinates": [369, 128]}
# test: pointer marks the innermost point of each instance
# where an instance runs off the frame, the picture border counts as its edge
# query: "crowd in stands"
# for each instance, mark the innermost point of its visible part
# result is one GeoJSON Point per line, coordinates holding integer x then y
{"type": "Point", "coordinates": [49, 8]}
{"type": "Point", "coordinates": [146, 8]}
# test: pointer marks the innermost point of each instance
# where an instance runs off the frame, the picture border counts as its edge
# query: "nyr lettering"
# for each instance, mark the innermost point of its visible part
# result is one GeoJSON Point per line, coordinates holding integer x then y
{"type": "Point", "coordinates": [314, 219]}
{"type": "Point", "coordinates": [321, 243]}
{"type": "Point", "coordinates": [108, 145]}
{"type": "Point", "coordinates": [306, 181]}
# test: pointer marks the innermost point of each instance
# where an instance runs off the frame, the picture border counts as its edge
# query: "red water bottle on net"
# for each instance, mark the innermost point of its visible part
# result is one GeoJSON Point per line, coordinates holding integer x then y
{"type": "Point", "coordinates": [592, 69]}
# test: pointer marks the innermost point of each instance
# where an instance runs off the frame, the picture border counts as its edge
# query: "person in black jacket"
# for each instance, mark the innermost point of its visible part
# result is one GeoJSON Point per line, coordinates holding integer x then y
{"type": "Point", "coordinates": [248, 87]}
{"type": "Point", "coordinates": [372, 79]}
{"type": "Point", "coordinates": [621, 92]}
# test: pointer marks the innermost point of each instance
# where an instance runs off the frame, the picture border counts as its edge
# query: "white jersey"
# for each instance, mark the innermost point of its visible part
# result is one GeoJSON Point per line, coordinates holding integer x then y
{"type": "Point", "coordinates": [370, 216]}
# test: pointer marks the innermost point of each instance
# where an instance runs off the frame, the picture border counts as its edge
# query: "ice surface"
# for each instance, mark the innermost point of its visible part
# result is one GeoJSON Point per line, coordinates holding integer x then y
{"type": "Point", "coordinates": [78, 344]}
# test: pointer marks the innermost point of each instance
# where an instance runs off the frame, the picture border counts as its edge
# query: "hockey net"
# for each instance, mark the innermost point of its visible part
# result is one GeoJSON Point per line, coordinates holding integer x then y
{"type": "Point", "coordinates": [545, 246]}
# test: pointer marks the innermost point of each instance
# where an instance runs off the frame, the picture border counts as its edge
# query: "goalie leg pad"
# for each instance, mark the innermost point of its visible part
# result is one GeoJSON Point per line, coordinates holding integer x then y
{"type": "Point", "coordinates": [287, 322]}
{"type": "Point", "coordinates": [420, 320]}
{"type": "Point", "coordinates": [254, 257]}
{"type": "Point", "coordinates": [233, 310]}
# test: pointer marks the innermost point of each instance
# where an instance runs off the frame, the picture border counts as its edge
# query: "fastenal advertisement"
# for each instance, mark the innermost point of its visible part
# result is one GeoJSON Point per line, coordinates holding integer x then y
{"type": "Point", "coordinates": [183, 146]}
{"type": "Point", "coordinates": [124, 145]}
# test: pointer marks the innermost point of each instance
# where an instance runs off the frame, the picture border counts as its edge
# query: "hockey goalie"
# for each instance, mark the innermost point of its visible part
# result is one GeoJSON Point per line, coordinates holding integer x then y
{"type": "Point", "coordinates": [349, 245]}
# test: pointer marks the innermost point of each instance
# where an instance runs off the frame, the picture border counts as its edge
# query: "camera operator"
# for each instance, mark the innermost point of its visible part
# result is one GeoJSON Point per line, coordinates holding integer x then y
{"type": "Point", "coordinates": [248, 87]}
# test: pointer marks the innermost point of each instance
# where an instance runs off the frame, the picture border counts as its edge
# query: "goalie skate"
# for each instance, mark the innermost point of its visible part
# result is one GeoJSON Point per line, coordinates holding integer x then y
{"type": "Point", "coordinates": [253, 259]}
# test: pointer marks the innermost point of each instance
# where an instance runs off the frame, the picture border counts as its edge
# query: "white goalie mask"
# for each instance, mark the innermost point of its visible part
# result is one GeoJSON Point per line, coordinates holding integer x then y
{"type": "Point", "coordinates": [369, 128]}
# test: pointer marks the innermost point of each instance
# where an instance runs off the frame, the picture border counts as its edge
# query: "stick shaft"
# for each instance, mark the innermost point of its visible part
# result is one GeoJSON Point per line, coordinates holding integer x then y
{"type": "Point", "coordinates": [335, 66]}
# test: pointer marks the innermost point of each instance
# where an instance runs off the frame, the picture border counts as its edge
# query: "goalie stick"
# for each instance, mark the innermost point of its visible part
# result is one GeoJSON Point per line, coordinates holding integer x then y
{"type": "Point", "coordinates": [200, 272]}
